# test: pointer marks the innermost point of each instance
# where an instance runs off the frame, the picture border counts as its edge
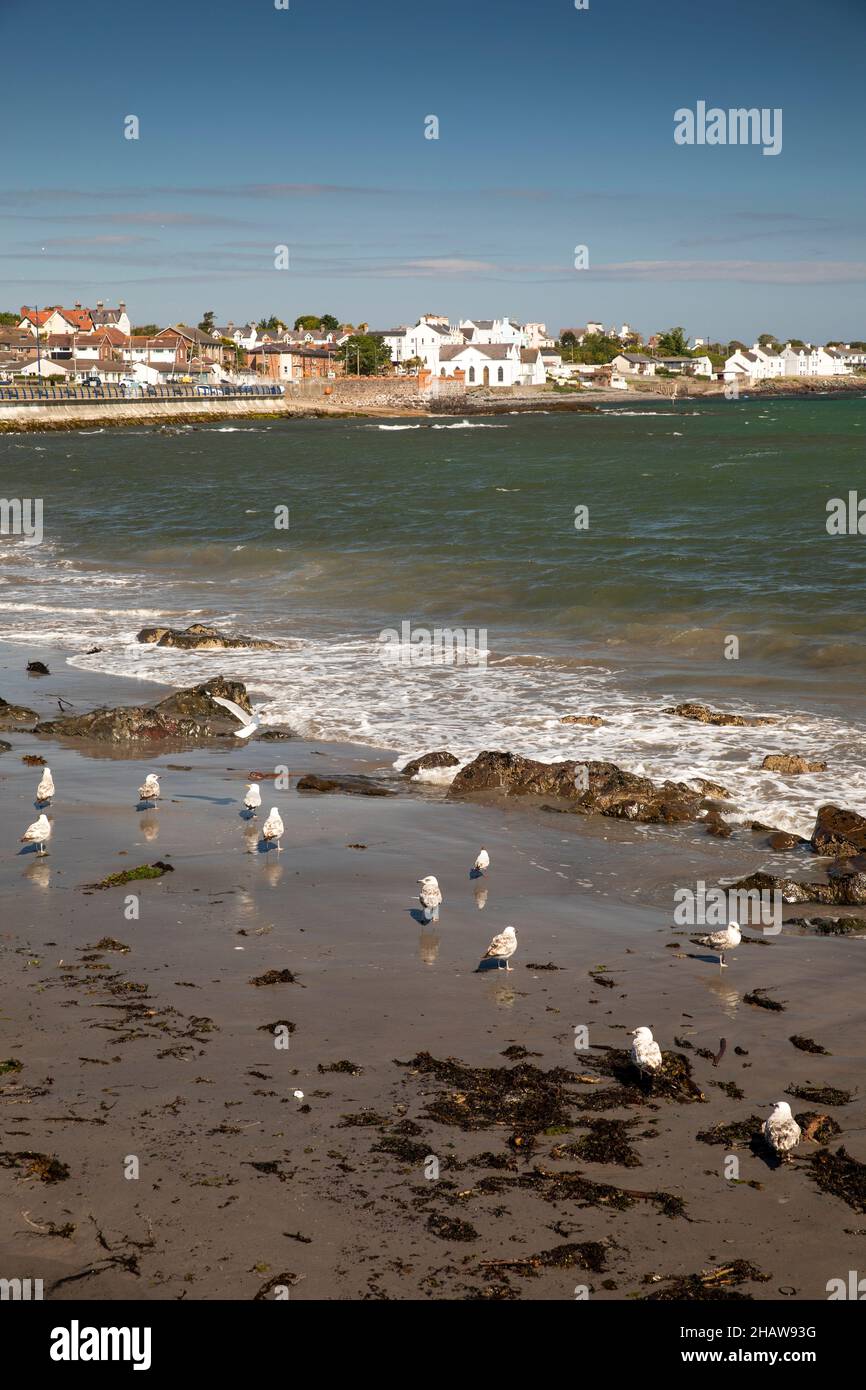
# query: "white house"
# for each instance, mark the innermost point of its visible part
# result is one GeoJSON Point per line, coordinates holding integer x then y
{"type": "Point", "coordinates": [423, 340]}
{"type": "Point", "coordinates": [634, 364]}
{"type": "Point", "coordinates": [488, 364]}
{"type": "Point", "coordinates": [493, 331]}
{"type": "Point", "coordinates": [758, 364]}
{"type": "Point", "coordinates": [244, 336]}
{"type": "Point", "coordinates": [536, 335]}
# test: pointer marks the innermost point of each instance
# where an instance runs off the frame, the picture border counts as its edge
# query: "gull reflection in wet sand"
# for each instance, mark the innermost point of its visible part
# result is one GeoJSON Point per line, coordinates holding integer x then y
{"type": "Point", "coordinates": [727, 997]}
{"type": "Point", "coordinates": [481, 897]}
{"type": "Point", "coordinates": [428, 947]}
{"type": "Point", "coordinates": [38, 873]}
{"type": "Point", "coordinates": [148, 824]}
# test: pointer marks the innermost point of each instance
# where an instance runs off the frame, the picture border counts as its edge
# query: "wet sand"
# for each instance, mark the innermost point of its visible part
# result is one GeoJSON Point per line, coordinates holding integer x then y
{"type": "Point", "coordinates": [165, 1052]}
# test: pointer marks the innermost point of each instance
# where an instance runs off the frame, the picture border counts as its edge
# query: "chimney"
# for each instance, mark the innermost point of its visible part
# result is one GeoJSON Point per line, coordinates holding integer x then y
{"type": "Point", "coordinates": [122, 304]}
{"type": "Point", "coordinates": [100, 303]}
{"type": "Point", "coordinates": [78, 303]}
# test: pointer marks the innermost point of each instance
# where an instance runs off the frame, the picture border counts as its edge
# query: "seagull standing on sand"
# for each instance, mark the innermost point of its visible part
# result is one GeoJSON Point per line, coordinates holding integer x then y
{"type": "Point", "coordinates": [273, 828]}
{"type": "Point", "coordinates": [430, 897]}
{"type": "Point", "coordinates": [150, 793]}
{"type": "Point", "coordinates": [482, 863]}
{"type": "Point", "coordinates": [39, 833]}
{"type": "Point", "coordinates": [502, 947]}
{"type": "Point", "coordinates": [645, 1052]}
{"type": "Point", "coordinates": [45, 790]}
{"type": "Point", "coordinates": [249, 722]}
{"type": "Point", "coordinates": [721, 941]}
{"type": "Point", "coordinates": [781, 1130]}
{"type": "Point", "coordinates": [253, 798]}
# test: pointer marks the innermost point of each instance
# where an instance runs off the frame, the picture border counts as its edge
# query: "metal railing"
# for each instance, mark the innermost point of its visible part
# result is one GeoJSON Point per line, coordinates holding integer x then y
{"type": "Point", "coordinates": [64, 395]}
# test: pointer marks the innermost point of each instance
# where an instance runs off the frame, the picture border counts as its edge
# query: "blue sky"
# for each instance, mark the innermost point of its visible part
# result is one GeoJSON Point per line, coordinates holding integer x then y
{"type": "Point", "coordinates": [261, 127]}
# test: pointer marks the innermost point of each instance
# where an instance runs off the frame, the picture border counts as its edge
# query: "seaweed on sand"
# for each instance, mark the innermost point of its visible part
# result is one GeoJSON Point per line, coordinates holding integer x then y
{"type": "Point", "coordinates": [819, 1128]}
{"type": "Point", "coordinates": [141, 871]}
{"type": "Point", "coordinates": [45, 1167]}
{"type": "Point", "coordinates": [350, 1068]}
{"type": "Point", "coordinates": [450, 1228]}
{"type": "Point", "coordinates": [574, 1187]}
{"type": "Point", "coordinates": [274, 977]}
{"type": "Point", "coordinates": [11, 1064]}
{"type": "Point", "coordinates": [820, 1095]}
{"type": "Point", "coordinates": [759, 1000]}
{"type": "Point", "coordinates": [589, 1255]}
{"type": "Point", "coordinates": [710, 1284]}
{"type": "Point", "coordinates": [732, 1135]}
{"type": "Point", "coordinates": [606, 1142]}
{"type": "Point", "coordinates": [523, 1098]}
{"type": "Point", "coordinates": [673, 1081]}
{"type": "Point", "coordinates": [808, 1045]}
{"type": "Point", "coordinates": [841, 1175]}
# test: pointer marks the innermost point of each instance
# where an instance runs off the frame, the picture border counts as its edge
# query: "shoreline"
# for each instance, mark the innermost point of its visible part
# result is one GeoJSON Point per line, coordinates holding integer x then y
{"type": "Point", "coordinates": [34, 418]}
{"type": "Point", "coordinates": [141, 1037]}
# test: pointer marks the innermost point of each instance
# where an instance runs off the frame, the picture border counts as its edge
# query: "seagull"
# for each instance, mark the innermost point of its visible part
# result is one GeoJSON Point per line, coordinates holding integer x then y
{"type": "Point", "coordinates": [249, 722]}
{"type": "Point", "coordinates": [482, 862]}
{"type": "Point", "coordinates": [430, 897]}
{"type": "Point", "coordinates": [253, 798]}
{"type": "Point", "coordinates": [781, 1130]}
{"type": "Point", "coordinates": [150, 791]}
{"type": "Point", "coordinates": [645, 1052]}
{"type": "Point", "coordinates": [45, 790]}
{"type": "Point", "coordinates": [38, 833]}
{"type": "Point", "coordinates": [502, 947]}
{"type": "Point", "coordinates": [273, 828]}
{"type": "Point", "coordinates": [721, 941]}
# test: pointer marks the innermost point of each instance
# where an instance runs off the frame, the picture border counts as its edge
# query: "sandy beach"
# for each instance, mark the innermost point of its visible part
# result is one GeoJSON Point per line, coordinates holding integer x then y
{"type": "Point", "coordinates": [148, 1040]}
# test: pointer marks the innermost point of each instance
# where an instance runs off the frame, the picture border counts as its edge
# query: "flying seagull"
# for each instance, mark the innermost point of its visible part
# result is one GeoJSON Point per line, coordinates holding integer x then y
{"type": "Point", "coordinates": [430, 897]}
{"type": "Point", "coordinates": [39, 833]}
{"type": "Point", "coordinates": [45, 790]}
{"type": "Point", "coordinates": [502, 947]}
{"type": "Point", "coordinates": [149, 792]}
{"type": "Point", "coordinates": [253, 798]}
{"type": "Point", "coordinates": [721, 941]}
{"type": "Point", "coordinates": [273, 828]}
{"type": "Point", "coordinates": [249, 722]}
{"type": "Point", "coordinates": [645, 1052]}
{"type": "Point", "coordinates": [781, 1130]}
{"type": "Point", "coordinates": [482, 862]}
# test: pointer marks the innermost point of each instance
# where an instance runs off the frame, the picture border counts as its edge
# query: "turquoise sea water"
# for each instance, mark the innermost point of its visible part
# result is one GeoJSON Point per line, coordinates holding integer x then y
{"type": "Point", "coordinates": [706, 522]}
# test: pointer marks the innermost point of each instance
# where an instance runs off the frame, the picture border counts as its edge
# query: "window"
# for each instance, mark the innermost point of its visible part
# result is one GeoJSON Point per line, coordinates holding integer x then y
{"type": "Point", "coordinates": [501, 374]}
{"type": "Point", "coordinates": [471, 373]}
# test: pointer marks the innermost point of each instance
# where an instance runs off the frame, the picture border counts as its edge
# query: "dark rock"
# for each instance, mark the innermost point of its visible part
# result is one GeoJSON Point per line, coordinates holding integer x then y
{"type": "Point", "coordinates": [838, 831]}
{"type": "Point", "coordinates": [200, 637]}
{"type": "Point", "coordinates": [713, 789]}
{"type": "Point", "coordinates": [16, 714]}
{"type": "Point", "coordinates": [189, 715]}
{"type": "Point", "coordinates": [197, 702]}
{"type": "Point", "coordinates": [357, 786]}
{"type": "Point", "coordinates": [790, 764]}
{"type": "Point", "coordinates": [38, 668]}
{"type": "Point", "coordinates": [594, 787]}
{"type": "Point", "coordinates": [717, 826]}
{"type": "Point", "coordinates": [830, 926]}
{"type": "Point", "coordinates": [592, 721]}
{"type": "Point", "coordinates": [704, 715]}
{"type": "Point", "coordinates": [848, 890]}
{"type": "Point", "coordinates": [5, 747]}
{"type": "Point", "coordinates": [781, 839]}
{"type": "Point", "coordinates": [275, 735]}
{"type": "Point", "coordinates": [441, 759]}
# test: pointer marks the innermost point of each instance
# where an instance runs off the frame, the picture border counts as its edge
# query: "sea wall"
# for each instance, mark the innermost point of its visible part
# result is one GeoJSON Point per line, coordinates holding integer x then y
{"type": "Point", "coordinates": [74, 415]}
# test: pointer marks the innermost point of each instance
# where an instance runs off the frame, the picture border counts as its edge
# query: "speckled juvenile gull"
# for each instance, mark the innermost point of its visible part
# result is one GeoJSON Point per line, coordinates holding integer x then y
{"type": "Point", "coordinates": [149, 790]}
{"type": "Point", "coordinates": [721, 941]}
{"type": "Point", "coordinates": [273, 828]}
{"type": "Point", "coordinates": [781, 1130]}
{"type": "Point", "coordinates": [645, 1052]}
{"type": "Point", "coordinates": [502, 947]}
{"type": "Point", "coordinates": [430, 897]}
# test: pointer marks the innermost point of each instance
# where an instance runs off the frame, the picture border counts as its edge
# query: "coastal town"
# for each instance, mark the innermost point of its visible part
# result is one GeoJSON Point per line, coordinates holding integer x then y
{"type": "Point", "coordinates": [100, 348]}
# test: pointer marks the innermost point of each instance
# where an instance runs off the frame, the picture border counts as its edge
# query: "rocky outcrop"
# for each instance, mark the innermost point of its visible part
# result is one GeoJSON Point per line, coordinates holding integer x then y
{"type": "Point", "coordinates": [790, 764]}
{"type": "Point", "coordinates": [717, 826]}
{"type": "Point", "coordinates": [190, 715]}
{"type": "Point", "coordinates": [783, 839]}
{"type": "Point", "coordinates": [704, 715]}
{"type": "Point", "coordinates": [5, 747]}
{"type": "Point", "coordinates": [200, 637]}
{"type": "Point", "coordinates": [592, 721]}
{"type": "Point", "coordinates": [197, 702]}
{"type": "Point", "coordinates": [844, 890]}
{"type": "Point", "coordinates": [713, 789]}
{"type": "Point", "coordinates": [593, 787]}
{"type": "Point", "coordinates": [428, 760]}
{"type": "Point", "coordinates": [16, 714]}
{"type": "Point", "coordinates": [838, 832]}
{"type": "Point", "coordinates": [354, 786]}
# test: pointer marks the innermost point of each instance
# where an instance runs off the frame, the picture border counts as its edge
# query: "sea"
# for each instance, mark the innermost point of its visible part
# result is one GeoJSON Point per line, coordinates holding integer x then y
{"type": "Point", "coordinates": [613, 563]}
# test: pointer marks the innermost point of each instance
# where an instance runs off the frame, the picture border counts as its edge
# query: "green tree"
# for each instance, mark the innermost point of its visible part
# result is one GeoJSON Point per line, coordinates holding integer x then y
{"type": "Point", "coordinates": [207, 322]}
{"type": "Point", "coordinates": [769, 342]}
{"type": "Point", "coordinates": [364, 354]}
{"type": "Point", "coordinates": [597, 348]}
{"type": "Point", "coordinates": [145, 330]}
{"type": "Point", "coordinates": [673, 343]}
{"type": "Point", "coordinates": [329, 323]}
{"type": "Point", "coordinates": [9, 320]}
{"type": "Point", "coordinates": [307, 321]}
{"type": "Point", "coordinates": [271, 325]}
